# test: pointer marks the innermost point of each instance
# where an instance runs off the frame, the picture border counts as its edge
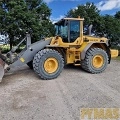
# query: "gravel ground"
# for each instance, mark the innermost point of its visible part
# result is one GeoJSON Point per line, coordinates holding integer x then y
{"type": "Point", "coordinates": [24, 96]}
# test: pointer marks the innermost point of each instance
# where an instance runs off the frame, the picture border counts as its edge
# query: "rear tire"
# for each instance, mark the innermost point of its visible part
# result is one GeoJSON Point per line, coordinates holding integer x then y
{"type": "Point", "coordinates": [95, 61]}
{"type": "Point", "coordinates": [48, 64]}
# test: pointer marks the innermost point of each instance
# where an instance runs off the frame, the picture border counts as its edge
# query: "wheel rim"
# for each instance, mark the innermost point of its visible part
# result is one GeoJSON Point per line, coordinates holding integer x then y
{"type": "Point", "coordinates": [51, 65]}
{"type": "Point", "coordinates": [98, 61]}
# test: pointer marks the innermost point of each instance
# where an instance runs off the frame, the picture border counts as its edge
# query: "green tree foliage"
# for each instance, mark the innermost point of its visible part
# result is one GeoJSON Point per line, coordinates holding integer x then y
{"type": "Point", "coordinates": [117, 15]}
{"type": "Point", "coordinates": [88, 11]}
{"type": "Point", "coordinates": [19, 16]}
{"type": "Point", "coordinates": [112, 28]}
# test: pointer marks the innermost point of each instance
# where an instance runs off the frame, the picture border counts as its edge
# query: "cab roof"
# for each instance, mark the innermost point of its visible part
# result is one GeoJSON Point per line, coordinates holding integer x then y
{"type": "Point", "coordinates": [80, 19]}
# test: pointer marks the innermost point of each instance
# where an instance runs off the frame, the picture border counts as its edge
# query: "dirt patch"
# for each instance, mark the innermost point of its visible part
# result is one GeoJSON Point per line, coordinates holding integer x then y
{"type": "Point", "coordinates": [25, 96]}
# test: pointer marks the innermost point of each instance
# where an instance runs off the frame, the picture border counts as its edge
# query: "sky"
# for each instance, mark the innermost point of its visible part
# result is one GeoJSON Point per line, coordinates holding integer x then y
{"type": "Point", "coordinates": [61, 7]}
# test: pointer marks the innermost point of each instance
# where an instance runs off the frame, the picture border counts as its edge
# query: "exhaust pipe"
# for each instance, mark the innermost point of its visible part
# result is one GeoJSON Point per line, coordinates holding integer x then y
{"type": "Point", "coordinates": [90, 29]}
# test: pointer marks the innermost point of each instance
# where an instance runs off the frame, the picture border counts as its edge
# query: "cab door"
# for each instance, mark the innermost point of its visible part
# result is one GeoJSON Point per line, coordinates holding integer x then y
{"type": "Point", "coordinates": [74, 30]}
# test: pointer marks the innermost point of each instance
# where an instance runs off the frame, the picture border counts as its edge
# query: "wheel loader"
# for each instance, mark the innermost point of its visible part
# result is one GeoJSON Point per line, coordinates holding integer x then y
{"type": "Point", "coordinates": [48, 56]}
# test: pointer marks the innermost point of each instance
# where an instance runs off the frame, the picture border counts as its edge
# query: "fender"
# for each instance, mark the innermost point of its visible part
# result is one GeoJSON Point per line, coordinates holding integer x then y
{"type": "Point", "coordinates": [83, 53]}
{"type": "Point", "coordinates": [105, 47]}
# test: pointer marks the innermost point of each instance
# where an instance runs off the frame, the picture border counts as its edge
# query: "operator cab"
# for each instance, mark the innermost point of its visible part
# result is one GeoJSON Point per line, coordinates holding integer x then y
{"type": "Point", "coordinates": [69, 29]}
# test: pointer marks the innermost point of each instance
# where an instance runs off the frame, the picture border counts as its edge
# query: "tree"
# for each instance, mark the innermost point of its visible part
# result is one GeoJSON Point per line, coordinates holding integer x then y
{"type": "Point", "coordinates": [112, 28]}
{"type": "Point", "coordinates": [88, 11]}
{"type": "Point", "coordinates": [18, 17]}
{"type": "Point", "coordinates": [117, 15]}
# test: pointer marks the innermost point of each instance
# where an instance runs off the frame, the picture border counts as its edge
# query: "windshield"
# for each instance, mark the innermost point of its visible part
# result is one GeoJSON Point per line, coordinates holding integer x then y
{"type": "Point", "coordinates": [69, 31]}
{"type": "Point", "coordinates": [62, 29]}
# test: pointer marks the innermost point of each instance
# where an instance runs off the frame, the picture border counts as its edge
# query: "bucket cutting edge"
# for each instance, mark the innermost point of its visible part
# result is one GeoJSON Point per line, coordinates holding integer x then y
{"type": "Point", "coordinates": [2, 64]}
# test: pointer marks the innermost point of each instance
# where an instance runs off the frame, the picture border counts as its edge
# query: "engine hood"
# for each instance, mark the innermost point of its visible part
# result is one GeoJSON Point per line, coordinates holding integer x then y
{"type": "Point", "coordinates": [94, 39]}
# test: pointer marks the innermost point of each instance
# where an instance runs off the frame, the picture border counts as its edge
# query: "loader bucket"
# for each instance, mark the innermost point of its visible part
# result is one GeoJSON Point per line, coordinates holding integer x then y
{"type": "Point", "coordinates": [2, 64]}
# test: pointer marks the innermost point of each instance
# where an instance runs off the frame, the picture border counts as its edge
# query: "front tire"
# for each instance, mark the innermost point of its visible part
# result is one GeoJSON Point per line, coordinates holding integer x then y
{"type": "Point", "coordinates": [48, 64]}
{"type": "Point", "coordinates": [95, 61]}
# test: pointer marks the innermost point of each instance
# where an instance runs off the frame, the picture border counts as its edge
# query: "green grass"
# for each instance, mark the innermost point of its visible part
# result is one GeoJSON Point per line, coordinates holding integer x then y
{"type": "Point", "coordinates": [117, 58]}
{"type": "Point", "coordinates": [6, 48]}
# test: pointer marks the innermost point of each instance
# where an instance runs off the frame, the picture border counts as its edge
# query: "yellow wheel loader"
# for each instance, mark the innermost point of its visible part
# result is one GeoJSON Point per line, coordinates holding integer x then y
{"type": "Point", "coordinates": [48, 57]}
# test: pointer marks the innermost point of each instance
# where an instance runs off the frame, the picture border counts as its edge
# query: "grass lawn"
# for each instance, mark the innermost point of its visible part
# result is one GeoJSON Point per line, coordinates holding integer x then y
{"type": "Point", "coordinates": [6, 48]}
{"type": "Point", "coordinates": [117, 58]}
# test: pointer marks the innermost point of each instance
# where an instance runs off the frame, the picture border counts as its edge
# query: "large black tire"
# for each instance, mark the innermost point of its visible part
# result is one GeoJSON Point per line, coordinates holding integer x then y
{"type": "Point", "coordinates": [48, 64]}
{"type": "Point", "coordinates": [30, 64]}
{"type": "Point", "coordinates": [96, 60]}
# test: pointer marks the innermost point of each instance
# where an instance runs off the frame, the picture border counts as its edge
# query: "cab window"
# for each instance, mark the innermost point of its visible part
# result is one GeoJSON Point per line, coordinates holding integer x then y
{"type": "Point", "coordinates": [74, 30]}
